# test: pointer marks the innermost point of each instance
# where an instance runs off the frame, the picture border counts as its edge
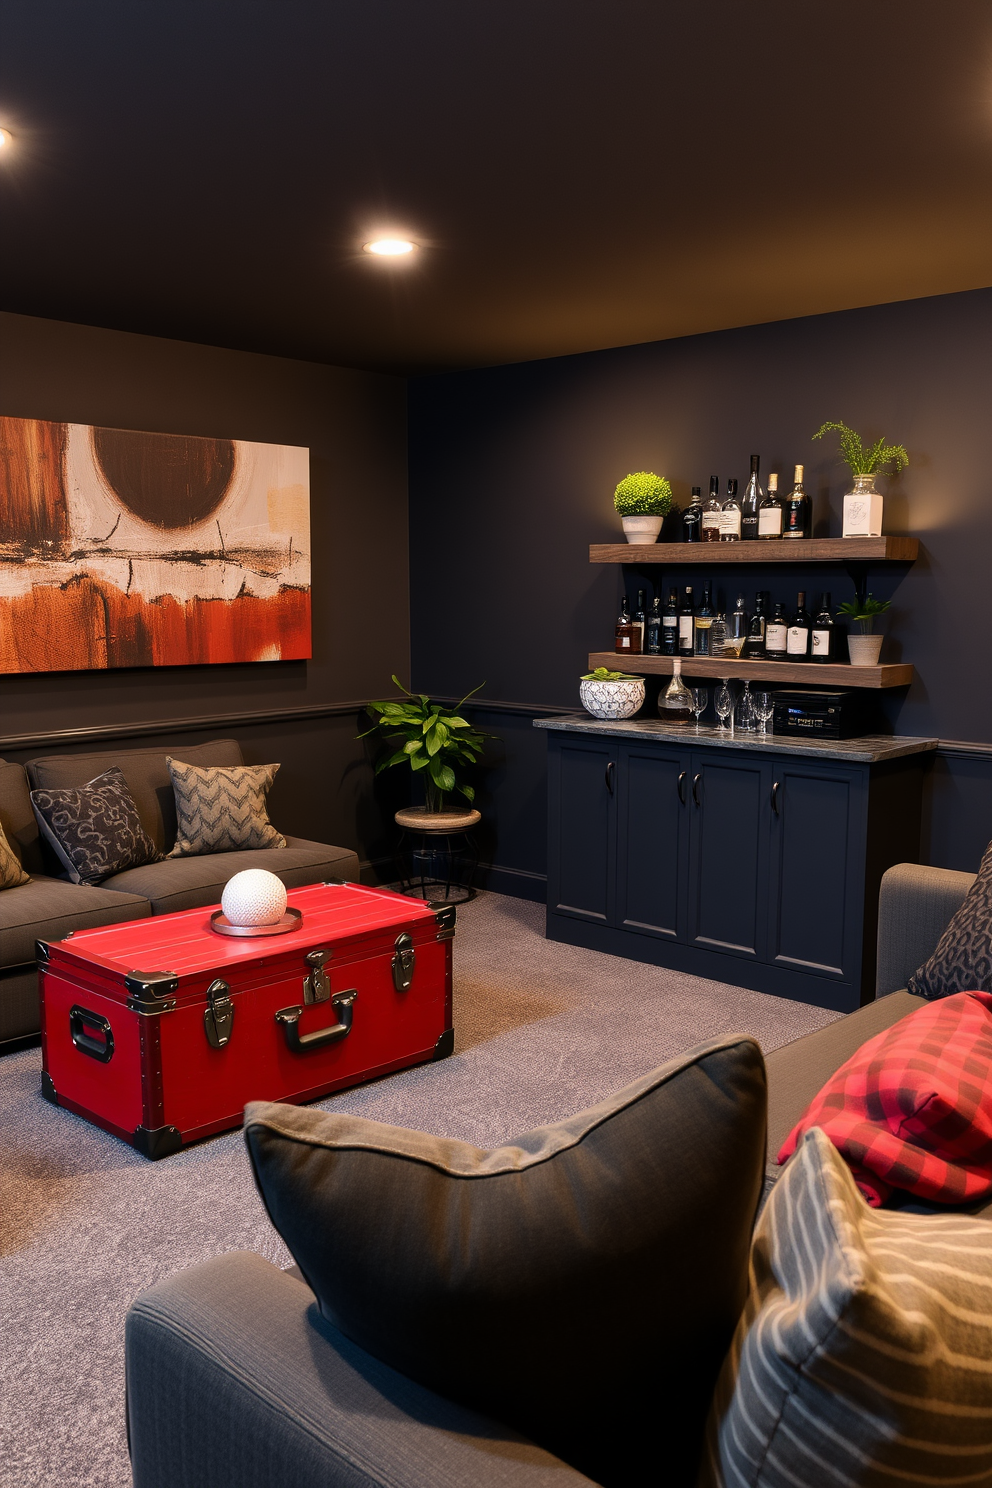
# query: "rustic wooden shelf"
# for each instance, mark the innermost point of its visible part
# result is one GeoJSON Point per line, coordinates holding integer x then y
{"type": "Point", "coordinates": [784, 550]}
{"type": "Point", "coordinates": [804, 673]}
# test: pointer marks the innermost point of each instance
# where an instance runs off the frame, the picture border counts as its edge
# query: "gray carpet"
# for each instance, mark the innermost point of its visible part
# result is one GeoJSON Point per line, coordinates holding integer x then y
{"type": "Point", "coordinates": [542, 1030]}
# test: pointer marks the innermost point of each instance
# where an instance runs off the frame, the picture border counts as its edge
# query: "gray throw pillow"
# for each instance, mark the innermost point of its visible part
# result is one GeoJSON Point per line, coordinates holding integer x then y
{"type": "Point", "coordinates": [862, 1356]}
{"type": "Point", "coordinates": [962, 961]}
{"type": "Point", "coordinates": [221, 808]}
{"type": "Point", "coordinates": [94, 829]}
{"type": "Point", "coordinates": [581, 1284]}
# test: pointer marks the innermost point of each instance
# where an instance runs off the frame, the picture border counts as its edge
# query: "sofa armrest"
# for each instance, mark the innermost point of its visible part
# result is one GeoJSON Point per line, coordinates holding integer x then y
{"type": "Point", "coordinates": [235, 1381]}
{"type": "Point", "coordinates": [915, 904]}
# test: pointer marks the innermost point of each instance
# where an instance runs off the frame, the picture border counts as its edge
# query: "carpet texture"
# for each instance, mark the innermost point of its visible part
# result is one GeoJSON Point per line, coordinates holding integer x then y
{"type": "Point", "coordinates": [541, 1031]}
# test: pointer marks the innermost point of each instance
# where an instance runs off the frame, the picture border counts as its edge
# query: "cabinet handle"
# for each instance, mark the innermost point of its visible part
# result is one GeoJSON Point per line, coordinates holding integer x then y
{"type": "Point", "coordinates": [775, 799]}
{"type": "Point", "coordinates": [609, 777]}
{"type": "Point", "coordinates": [695, 789]}
{"type": "Point", "coordinates": [681, 786]}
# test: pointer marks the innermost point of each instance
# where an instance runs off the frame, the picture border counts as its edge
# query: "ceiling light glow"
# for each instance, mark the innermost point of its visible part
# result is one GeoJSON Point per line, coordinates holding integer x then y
{"type": "Point", "coordinates": [389, 247]}
{"type": "Point", "coordinates": [4, 137]}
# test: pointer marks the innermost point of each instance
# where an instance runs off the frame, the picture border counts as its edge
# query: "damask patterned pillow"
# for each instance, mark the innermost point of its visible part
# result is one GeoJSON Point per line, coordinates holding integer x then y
{"type": "Point", "coordinates": [94, 829]}
{"type": "Point", "coordinates": [962, 961]}
{"type": "Point", "coordinates": [222, 809]}
{"type": "Point", "coordinates": [12, 875]}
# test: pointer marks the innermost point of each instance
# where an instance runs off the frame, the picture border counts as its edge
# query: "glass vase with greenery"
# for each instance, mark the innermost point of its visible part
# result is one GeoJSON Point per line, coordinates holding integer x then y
{"type": "Point", "coordinates": [863, 505]}
{"type": "Point", "coordinates": [436, 742]}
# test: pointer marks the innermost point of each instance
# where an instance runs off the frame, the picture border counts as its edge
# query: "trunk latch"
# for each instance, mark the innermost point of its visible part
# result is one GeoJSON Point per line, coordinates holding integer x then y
{"type": "Point", "coordinates": [317, 986]}
{"type": "Point", "coordinates": [218, 1015]}
{"type": "Point", "coordinates": [404, 960]}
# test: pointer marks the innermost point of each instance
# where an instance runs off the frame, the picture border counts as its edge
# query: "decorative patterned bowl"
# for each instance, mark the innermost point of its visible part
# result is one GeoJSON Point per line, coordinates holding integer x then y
{"type": "Point", "coordinates": [612, 699]}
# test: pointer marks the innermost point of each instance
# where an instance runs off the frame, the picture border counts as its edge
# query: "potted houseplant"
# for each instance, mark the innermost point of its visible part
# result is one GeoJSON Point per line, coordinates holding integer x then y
{"type": "Point", "coordinates": [864, 648]}
{"type": "Point", "coordinates": [438, 745]}
{"type": "Point", "coordinates": [863, 505]}
{"type": "Point", "coordinates": [607, 694]}
{"type": "Point", "coordinates": [643, 501]}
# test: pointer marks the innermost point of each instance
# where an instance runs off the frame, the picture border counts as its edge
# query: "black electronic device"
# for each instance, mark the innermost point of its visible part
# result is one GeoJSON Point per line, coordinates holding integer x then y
{"type": "Point", "coordinates": [823, 715]}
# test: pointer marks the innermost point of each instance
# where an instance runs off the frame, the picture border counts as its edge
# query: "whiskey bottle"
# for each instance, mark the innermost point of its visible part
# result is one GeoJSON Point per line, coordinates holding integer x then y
{"type": "Point", "coordinates": [799, 627]}
{"type": "Point", "coordinates": [821, 647]}
{"type": "Point", "coordinates": [670, 625]}
{"type": "Point", "coordinates": [652, 637]}
{"type": "Point", "coordinates": [737, 628]}
{"type": "Point", "coordinates": [640, 617]}
{"type": "Point", "coordinates": [770, 511]}
{"type": "Point", "coordinates": [692, 517]}
{"type": "Point", "coordinates": [704, 620]}
{"type": "Point", "coordinates": [675, 703]}
{"type": "Point", "coordinates": [754, 646]}
{"type": "Point", "coordinates": [777, 634]}
{"type": "Point", "coordinates": [730, 521]}
{"type": "Point", "coordinates": [796, 516]}
{"type": "Point", "coordinates": [751, 503]}
{"type": "Point", "coordinates": [686, 627]}
{"type": "Point", "coordinates": [625, 633]}
{"type": "Point", "coordinates": [712, 512]}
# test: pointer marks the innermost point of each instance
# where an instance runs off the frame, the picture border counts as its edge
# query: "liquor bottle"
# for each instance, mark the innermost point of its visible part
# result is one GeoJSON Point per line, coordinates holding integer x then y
{"type": "Point", "coordinates": [652, 637]}
{"type": "Point", "coordinates": [712, 512]}
{"type": "Point", "coordinates": [718, 636]}
{"type": "Point", "coordinates": [821, 646]}
{"type": "Point", "coordinates": [777, 634]}
{"type": "Point", "coordinates": [770, 511]}
{"type": "Point", "coordinates": [704, 620]}
{"type": "Point", "coordinates": [626, 631]}
{"type": "Point", "coordinates": [675, 703]}
{"type": "Point", "coordinates": [686, 616]}
{"type": "Point", "coordinates": [799, 627]}
{"type": "Point", "coordinates": [730, 521]}
{"type": "Point", "coordinates": [737, 627]}
{"type": "Point", "coordinates": [670, 625]}
{"type": "Point", "coordinates": [692, 517]}
{"type": "Point", "coordinates": [754, 646]}
{"type": "Point", "coordinates": [751, 502]}
{"type": "Point", "coordinates": [796, 513]}
{"type": "Point", "coordinates": [640, 617]}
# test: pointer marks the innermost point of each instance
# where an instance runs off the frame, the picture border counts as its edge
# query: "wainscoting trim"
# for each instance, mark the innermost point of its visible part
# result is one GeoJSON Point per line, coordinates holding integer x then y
{"type": "Point", "coordinates": [94, 733]}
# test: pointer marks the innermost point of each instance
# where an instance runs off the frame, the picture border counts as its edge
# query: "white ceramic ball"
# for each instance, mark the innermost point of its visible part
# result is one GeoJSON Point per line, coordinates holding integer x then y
{"type": "Point", "coordinates": [254, 897]}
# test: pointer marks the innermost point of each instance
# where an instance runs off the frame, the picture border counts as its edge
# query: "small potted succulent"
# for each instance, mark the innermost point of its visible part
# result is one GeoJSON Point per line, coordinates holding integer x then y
{"type": "Point", "coordinates": [607, 694]}
{"type": "Point", "coordinates": [864, 648]}
{"type": "Point", "coordinates": [863, 505]}
{"type": "Point", "coordinates": [643, 500]}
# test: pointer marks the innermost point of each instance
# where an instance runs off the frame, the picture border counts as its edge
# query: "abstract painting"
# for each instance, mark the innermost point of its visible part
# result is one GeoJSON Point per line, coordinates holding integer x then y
{"type": "Point", "coordinates": [126, 549]}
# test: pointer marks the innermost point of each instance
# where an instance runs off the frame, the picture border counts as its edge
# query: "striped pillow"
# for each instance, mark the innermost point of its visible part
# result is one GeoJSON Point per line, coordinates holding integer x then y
{"type": "Point", "coordinates": [12, 875]}
{"type": "Point", "coordinates": [221, 808]}
{"type": "Point", "coordinates": [864, 1355]}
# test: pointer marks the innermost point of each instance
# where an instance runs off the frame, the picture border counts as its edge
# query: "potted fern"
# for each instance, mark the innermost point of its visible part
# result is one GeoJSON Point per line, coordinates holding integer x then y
{"type": "Point", "coordinates": [863, 505]}
{"type": "Point", "coordinates": [643, 500]}
{"type": "Point", "coordinates": [438, 745]}
{"type": "Point", "coordinates": [864, 648]}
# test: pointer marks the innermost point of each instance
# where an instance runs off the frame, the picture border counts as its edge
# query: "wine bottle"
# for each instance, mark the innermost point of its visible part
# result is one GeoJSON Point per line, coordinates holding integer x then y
{"type": "Point", "coordinates": [770, 511]}
{"type": "Point", "coordinates": [822, 634]}
{"type": "Point", "coordinates": [640, 617]}
{"type": "Point", "coordinates": [686, 616]}
{"type": "Point", "coordinates": [670, 625]}
{"type": "Point", "coordinates": [777, 634]}
{"type": "Point", "coordinates": [751, 503]}
{"type": "Point", "coordinates": [796, 518]}
{"type": "Point", "coordinates": [712, 512]}
{"type": "Point", "coordinates": [675, 703]}
{"type": "Point", "coordinates": [730, 520]}
{"type": "Point", "coordinates": [718, 636]}
{"type": "Point", "coordinates": [692, 517]}
{"type": "Point", "coordinates": [754, 646]}
{"type": "Point", "coordinates": [737, 628]}
{"type": "Point", "coordinates": [798, 642]}
{"type": "Point", "coordinates": [704, 619]}
{"type": "Point", "coordinates": [625, 633]}
{"type": "Point", "coordinates": [652, 637]}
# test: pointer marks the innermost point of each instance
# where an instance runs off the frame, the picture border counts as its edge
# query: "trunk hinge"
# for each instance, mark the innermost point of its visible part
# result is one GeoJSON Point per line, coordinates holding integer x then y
{"type": "Point", "coordinates": [218, 1015]}
{"type": "Point", "coordinates": [404, 961]}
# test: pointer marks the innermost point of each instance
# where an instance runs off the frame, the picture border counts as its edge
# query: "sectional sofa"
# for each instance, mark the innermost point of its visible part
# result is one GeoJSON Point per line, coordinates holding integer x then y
{"type": "Point", "coordinates": [50, 907]}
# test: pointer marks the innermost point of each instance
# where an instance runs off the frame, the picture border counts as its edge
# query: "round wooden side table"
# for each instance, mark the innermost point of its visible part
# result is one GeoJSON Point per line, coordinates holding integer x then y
{"type": "Point", "coordinates": [427, 836]}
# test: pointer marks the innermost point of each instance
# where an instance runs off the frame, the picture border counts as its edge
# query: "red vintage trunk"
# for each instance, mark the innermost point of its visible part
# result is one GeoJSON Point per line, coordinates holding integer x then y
{"type": "Point", "coordinates": [160, 1030]}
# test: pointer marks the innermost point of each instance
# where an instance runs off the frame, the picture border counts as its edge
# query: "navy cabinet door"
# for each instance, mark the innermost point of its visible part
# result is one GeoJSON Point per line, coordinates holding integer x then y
{"type": "Point", "coordinates": [728, 853]}
{"type": "Point", "coordinates": [818, 841]}
{"type": "Point", "coordinates": [582, 788]}
{"type": "Point", "coordinates": [652, 840]}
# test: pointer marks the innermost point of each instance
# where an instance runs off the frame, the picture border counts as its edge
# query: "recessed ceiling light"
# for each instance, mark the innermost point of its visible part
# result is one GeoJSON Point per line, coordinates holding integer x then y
{"type": "Point", "coordinates": [389, 247]}
{"type": "Point", "coordinates": [4, 137]}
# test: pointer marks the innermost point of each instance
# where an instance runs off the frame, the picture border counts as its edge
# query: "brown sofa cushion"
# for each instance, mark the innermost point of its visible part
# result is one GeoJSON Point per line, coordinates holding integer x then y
{"type": "Point", "coordinates": [146, 773]}
{"type": "Point", "coordinates": [189, 883]}
{"type": "Point", "coordinates": [48, 908]}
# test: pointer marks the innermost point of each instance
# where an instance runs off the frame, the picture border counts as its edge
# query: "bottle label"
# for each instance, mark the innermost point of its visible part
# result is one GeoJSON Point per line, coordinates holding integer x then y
{"type": "Point", "coordinates": [770, 522]}
{"type": "Point", "coordinates": [730, 524]}
{"type": "Point", "coordinates": [623, 643]}
{"type": "Point", "coordinates": [749, 527]}
{"type": "Point", "coordinates": [711, 520]}
{"type": "Point", "coordinates": [798, 640]}
{"type": "Point", "coordinates": [821, 643]}
{"type": "Point", "coordinates": [776, 638]}
{"type": "Point", "coordinates": [670, 622]}
{"type": "Point", "coordinates": [685, 629]}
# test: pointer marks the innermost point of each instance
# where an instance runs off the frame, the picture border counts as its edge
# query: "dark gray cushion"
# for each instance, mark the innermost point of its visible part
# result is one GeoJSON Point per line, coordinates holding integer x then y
{"type": "Point", "coordinates": [962, 961]}
{"type": "Point", "coordinates": [189, 883]}
{"type": "Point", "coordinates": [581, 1284]}
{"type": "Point", "coordinates": [17, 817]}
{"type": "Point", "coordinates": [19, 1009]}
{"type": "Point", "coordinates": [146, 773]}
{"type": "Point", "coordinates": [94, 829]}
{"type": "Point", "coordinates": [48, 908]}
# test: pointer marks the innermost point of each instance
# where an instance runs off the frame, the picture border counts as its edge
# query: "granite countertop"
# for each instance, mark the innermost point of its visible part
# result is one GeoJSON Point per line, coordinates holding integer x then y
{"type": "Point", "coordinates": [868, 749]}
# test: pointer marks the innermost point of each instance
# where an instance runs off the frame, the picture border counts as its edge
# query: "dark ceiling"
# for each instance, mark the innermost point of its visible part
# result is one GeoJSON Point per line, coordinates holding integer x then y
{"type": "Point", "coordinates": [582, 173]}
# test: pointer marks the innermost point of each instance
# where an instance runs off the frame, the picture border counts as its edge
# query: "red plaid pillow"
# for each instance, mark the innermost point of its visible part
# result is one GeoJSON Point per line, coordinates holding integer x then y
{"type": "Point", "coordinates": [912, 1108]}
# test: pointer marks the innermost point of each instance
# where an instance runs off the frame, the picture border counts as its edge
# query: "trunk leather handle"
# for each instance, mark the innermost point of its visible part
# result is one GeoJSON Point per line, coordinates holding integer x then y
{"type": "Point", "coordinates": [343, 1004]}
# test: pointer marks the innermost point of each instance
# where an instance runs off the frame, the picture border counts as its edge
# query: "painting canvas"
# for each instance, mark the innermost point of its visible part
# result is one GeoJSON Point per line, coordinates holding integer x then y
{"type": "Point", "coordinates": [122, 549]}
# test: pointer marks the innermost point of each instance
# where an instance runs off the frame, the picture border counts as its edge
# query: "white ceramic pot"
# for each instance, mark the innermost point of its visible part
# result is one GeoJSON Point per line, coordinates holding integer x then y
{"type": "Point", "coordinates": [619, 699]}
{"type": "Point", "coordinates": [864, 649]}
{"type": "Point", "coordinates": [643, 529]}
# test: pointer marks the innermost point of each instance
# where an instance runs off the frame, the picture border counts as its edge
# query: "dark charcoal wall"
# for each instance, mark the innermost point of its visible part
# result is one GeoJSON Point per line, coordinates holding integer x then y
{"type": "Point", "coordinates": [355, 426]}
{"type": "Point", "coordinates": [512, 471]}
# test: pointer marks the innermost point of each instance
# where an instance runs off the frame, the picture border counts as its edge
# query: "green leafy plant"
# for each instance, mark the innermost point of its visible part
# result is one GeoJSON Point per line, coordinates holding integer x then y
{"type": "Point", "coordinates": [603, 674]}
{"type": "Point", "coordinates": [436, 741]}
{"type": "Point", "coordinates": [863, 611]}
{"type": "Point", "coordinates": [865, 461]}
{"type": "Point", "coordinates": [643, 494]}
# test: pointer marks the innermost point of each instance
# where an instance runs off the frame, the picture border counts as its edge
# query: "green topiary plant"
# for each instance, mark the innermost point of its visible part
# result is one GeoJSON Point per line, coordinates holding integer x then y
{"type": "Point", "coordinates": [603, 674]}
{"type": "Point", "coordinates": [435, 741]}
{"type": "Point", "coordinates": [643, 494]}
{"type": "Point", "coordinates": [863, 611]}
{"type": "Point", "coordinates": [865, 461]}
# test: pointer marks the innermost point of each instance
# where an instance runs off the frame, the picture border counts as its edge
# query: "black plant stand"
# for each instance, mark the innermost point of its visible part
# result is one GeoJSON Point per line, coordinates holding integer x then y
{"type": "Point", "coordinates": [437, 852]}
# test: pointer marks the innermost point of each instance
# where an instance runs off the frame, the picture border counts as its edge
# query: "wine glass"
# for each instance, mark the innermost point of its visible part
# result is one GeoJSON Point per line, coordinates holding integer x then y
{"type": "Point", "coordinates": [700, 701]}
{"type": "Point", "coordinates": [746, 717]}
{"type": "Point", "coordinates": [764, 706]}
{"type": "Point", "coordinates": [723, 702]}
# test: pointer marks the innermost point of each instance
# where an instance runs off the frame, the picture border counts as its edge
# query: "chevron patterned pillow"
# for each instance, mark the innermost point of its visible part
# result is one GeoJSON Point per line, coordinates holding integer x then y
{"type": "Point", "coordinates": [12, 875]}
{"type": "Point", "coordinates": [222, 809]}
